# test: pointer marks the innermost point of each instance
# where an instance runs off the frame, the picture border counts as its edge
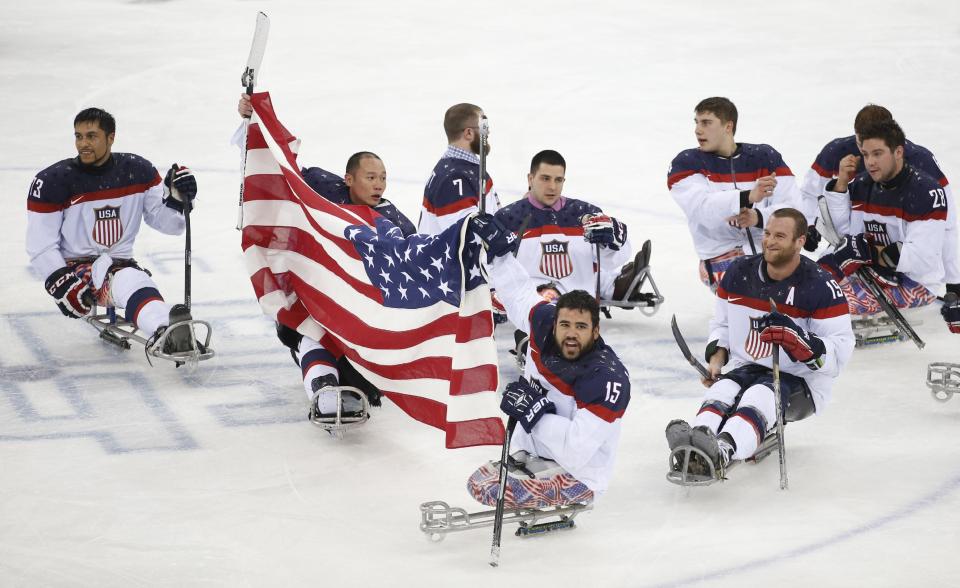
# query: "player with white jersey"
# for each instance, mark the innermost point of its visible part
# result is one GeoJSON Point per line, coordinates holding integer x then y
{"type": "Point", "coordinates": [811, 325]}
{"type": "Point", "coordinates": [573, 393]}
{"type": "Point", "coordinates": [559, 243]}
{"type": "Point", "coordinates": [323, 368]}
{"type": "Point", "coordinates": [453, 189]}
{"type": "Point", "coordinates": [83, 216]}
{"type": "Point", "coordinates": [894, 217]}
{"type": "Point", "coordinates": [727, 189]}
{"type": "Point", "coordinates": [844, 153]}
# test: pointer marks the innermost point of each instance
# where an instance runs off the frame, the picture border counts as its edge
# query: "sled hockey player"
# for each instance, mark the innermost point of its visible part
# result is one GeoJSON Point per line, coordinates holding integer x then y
{"type": "Point", "coordinates": [83, 216]}
{"type": "Point", "coordinates": [727, 190]}
{"type": "Point", "coordinates": [338, 396]}
{"type": "Point", "coordinates": [894, 218]}
{"type": "Point", "coordinates": [562, 239]}
{"type": "Point", "coordinates": [812, 327]}
{"type": "Point", "coordinates": [570, 399]}
{"type": "Point", "coordinates": [844, 153]}
{"type": "Point", "coordinates": [453, 189]}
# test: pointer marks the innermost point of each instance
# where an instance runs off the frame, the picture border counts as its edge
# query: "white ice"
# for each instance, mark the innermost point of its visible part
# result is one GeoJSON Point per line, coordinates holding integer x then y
{"type": "Point", "coordinates": [113, 473]}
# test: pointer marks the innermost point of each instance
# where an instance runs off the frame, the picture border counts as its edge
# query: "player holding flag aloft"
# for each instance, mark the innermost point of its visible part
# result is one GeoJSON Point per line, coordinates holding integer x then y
{"type": "Point", "coordinates": [812, 328]}
{"type": "Point", "coordinates": [83, 215]}
{"type": "Point", "coordinates": [727, 190]}
{"type": "Point", "coordinates": [322, 367]}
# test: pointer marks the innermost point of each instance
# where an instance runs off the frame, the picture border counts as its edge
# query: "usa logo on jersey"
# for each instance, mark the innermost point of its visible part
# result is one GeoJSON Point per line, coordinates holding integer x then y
{"type": "Point", "coordinates": [555, 259]}
{"type": "Point", "coordinates": [876, 232]}
{"type": "Point", "coordinates": [107, 229]}
{"type": "Point", "coordinates": [753, 346]}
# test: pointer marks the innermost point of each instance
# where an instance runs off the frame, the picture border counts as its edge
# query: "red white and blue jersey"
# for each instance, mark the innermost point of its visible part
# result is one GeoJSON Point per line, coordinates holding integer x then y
{"type": "Point", "coordinates": [809, 296]}
{"type": "Point", "coordinates": [590, 393]}
{"type": "Point", "coordinates": [910, 209]}
{"type": "Point", "coordinates": [707, 187]}
{"type": "Point", "coordinates": [453, 190]}
{"type": "Point", "coordinates": [75, 210]}
{"type": "Point", "coordinates": [332, 187]}
{"type": "Point", "coordinates": [552, 247]}
{"type": "Point", "coordinates": [827, 163]}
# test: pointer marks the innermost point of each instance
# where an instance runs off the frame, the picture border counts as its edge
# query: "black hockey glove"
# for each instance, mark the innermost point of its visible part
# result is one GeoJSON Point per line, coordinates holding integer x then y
{"type": "Point", "coordinates": [604, 230]}
{"type": "Point", "coordinates": [179, 186]}
{"type": "Point", "coordinates": [800, 345]}
{"type": "Point", "coordinates": [525, 403]}
{"type": "Point", "coordinates": [498, 239]}
{"type": "Point", "coordinates": [852, 253]}
{"type": "Point", "coordinates": [813, 239]}
{"type": "Point", "coordinates": [74, 296]}
{"type": "Point", "coordinates": [951, 312]}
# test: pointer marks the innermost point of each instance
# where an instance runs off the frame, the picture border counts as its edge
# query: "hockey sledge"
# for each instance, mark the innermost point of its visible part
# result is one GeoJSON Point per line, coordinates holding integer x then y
{"type": "Point", "coordinates": [343, 421]}
{"type": "Point", "coordinates": [120, 333]}
{"type": "Point", "coordinates": [690, 466]}
{"type": "Point", "coordinates": [877, 330]}
{"type": "Point", "coordinates": [642, 292]}
{"type": "Point", "coordinates": [943, 379]}
{"type": "Point", "coordinates": [437, 519]}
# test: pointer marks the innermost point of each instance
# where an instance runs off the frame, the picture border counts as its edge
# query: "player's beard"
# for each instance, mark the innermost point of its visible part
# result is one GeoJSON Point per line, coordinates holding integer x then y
{"type": "Point", "coordinates": [780, 258]}
{"type": "Point", "coordinates": [475, 145]}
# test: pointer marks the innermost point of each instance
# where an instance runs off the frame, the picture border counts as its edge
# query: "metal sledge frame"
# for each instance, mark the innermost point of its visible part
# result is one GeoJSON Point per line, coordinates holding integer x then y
{"type": "Point", "coordinates": [341, 423]}
{"type": "Point", "coordinates": [648, 308]}
{"type": "Point", "coordinates": [437, 518]}
{"type": "Point", "coordinates": [679, 462]}
{"type": "Point", "coordinates": [943, 379]}
{"type": "Point", "coordinates": [120, 332]}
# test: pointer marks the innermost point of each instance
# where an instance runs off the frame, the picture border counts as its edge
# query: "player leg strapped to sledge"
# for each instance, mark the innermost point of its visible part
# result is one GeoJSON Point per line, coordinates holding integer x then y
{"type": "Point", "coordinates": [536, 489]}
{"type": "Point", "coordinates": [122, 283]}
{"type": "Point", "coordinates": [739, 399]}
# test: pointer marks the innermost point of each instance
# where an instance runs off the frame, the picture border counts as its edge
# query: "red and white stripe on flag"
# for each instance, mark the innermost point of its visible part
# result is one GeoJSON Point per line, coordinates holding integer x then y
{"type": "Point", "coordinates": [310, 267]}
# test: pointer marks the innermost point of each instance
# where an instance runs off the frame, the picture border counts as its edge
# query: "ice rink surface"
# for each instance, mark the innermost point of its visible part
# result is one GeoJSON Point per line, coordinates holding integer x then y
{"type": "Point", "coordinates": [116, 474]}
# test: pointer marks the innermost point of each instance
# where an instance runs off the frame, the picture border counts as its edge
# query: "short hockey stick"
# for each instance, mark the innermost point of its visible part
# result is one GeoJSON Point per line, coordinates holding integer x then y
{"type": "Point", "coordinates": [685, 350]}
{"type": "Point", "coordinates": [501, 495]}
{"type": "Point", "coordinates": [484, 129]}
{"type": "Point", "coordinates": [781, 448]}
{"type": "Point", "coordinates": [248, 80]}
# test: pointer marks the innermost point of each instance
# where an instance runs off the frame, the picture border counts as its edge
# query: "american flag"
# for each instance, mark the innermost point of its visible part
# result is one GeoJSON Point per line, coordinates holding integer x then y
{"type": "Point", "coordinates": [411, 314]}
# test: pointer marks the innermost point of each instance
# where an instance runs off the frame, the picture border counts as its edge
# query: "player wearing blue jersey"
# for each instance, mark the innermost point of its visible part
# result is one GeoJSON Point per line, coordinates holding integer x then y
{"type": "Point", "coordinates": [453, 188]}
{"type": "Point", "coordinates": [842, 156]}
{"type": "Point", "coordinates": [83, 215]}
{"type": "Point", "coordinates": [727, 189]}
{"type": "Point", "coordinates": [895, 217]}
{"type": "Point", "coordinates": [573, 393]}
{"type": "Point", "coordinates": [322, 367]}
{"type": "Point", "coordinates": [811, 325]}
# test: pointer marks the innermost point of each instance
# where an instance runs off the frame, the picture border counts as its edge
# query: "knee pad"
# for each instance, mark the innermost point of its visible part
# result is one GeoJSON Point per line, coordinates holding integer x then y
{"type": "Point", "coordinates": [124, 283]}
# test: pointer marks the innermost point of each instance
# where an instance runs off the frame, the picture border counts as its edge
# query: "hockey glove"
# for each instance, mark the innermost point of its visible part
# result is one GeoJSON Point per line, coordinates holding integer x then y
{"type": "Point", "coordinates": [852, 253]}
{"type": "Point", "coordinates": [800, 345]}
{"type": "Point", "coordinates": [498, 239]}
{"type": "Point", "coordinates": [179, 186]}
{"type": "Point", "coordinates": [951, 312]}
{"type": "Point", "coordinates": [604, 230]}
{"type": "Point", "coordinates": [813, 239]}
{"type": "Point", "coordinates": [74, 296]}
{"type": "Point", "coordinates": [525, 403]}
